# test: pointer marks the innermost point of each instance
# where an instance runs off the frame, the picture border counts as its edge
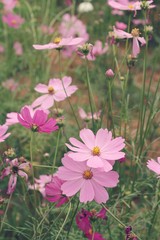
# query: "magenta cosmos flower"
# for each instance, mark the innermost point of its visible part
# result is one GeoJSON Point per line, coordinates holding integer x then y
{"type": "Point", "coordinates": [3, 134]}
{"type": "Point", "coordinates": [136, 39]}
{"type": "Point", "coordinates": [12, 20]}
{"type": "Point", "coordinates": [59, 43]}
{"type": "Point", "coordinates": [154, 166]}
{"type": "Point", "coordinates": [12, 117]}
{"type": "Point", "coordinates": [99, 151]}
{"type": "Point", "coordinates": [16, 168]}
{"type": "Point", "coordinates": [90, 182]}
{"type": "Point", "coordinates": [54, 91]}
{"type": "Point", "coordinates": [53, 192]}
{"type": "Point", "coordinates": [39, 122]}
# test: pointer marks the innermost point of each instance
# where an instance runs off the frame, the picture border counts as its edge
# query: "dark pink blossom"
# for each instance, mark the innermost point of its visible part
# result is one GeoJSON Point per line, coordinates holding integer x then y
{"type": "Point", "coordinates": [39, 122]}
{"type": "Point", "coordinates": [53, 192]}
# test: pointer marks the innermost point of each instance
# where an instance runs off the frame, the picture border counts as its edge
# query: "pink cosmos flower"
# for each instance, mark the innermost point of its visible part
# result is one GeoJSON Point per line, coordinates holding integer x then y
{"type": "Point", "coordinates": [18, 48]}
{"type": "Point", "coordinates": [121, 25]}
{"type": "Point", "coordinates": [3, 134]}
{"type": "Point", "coordinates": [130, 5]}
{"type": "Point", "coordinates": [16, 168]}
{"type": "Point", "coordinates": [12, 117]}
{"type": "Point", "coordinates": [10, 84]}
{"type": "Point", "coordinates": [136, 39]}
{"type": "Point", "coordinates": [53, 192]}
{"type": "Point", "coordinates": [54, 91]}
{"type": "Point", "coordinates": [38, 122]}
{"type": "Point", "coordinates": [12, 20]}
{"type": "Point", "coordinates": [9, 5]}
{"type": "Point", "coordinates": [154, 166]}
{"type": "Point", "coordinates": [40, 183]}
{"type": "Point", "coordinates": [59, 43]}
{"type": "Point", "coordinates": [98, 48]}
{"type": "Point", "coordinates": [90, 182]}
{"type": "Point", "coordinates": [98, 150]}
{"type": "Point", "coordinates": [72, 26]}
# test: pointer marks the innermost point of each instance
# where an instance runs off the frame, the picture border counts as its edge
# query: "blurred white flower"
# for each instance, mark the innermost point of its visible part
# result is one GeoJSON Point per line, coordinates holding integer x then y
{"type": "Point", "coordinates": [85, 7]}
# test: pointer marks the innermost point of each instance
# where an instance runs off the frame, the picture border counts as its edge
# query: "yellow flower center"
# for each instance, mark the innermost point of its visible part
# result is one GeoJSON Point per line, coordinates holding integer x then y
{"type": "Point", "coordinates": [135, 32]}
{"type": "Point", "coordinates": [96, 151]}
{"type": "Point", "coordinates": [50, 90]}
{"type": "Point", "coordinates": [90, 231]}
{"type": "Point", "coordinates": [14, 21]}
{"type": "Point", "coordinates": [57, 40]}
{"type": "Point", "coordinates": [87, 174]}
{"type": "Point", "coordinates": [130, 6]}
{"type": "Point", "coordinates": [34, 128]}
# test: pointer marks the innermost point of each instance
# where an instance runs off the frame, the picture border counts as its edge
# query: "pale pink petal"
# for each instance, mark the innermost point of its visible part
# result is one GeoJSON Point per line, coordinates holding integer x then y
{"type": "Point", "coordinates": [39, 100]}
{"type": "Point", "coordinates": [23, 174]}
{"type": "Point", "coordinates": [12, 183]}
{"type": "Point", "coordinates": [154, 166]}
{"type": "Point", "coordinates": [135, 47]}
{"type": "Point", "coordinates": [79, 157]}
{"type": "Point", "coordinates": [66, 81]}
{"type": "Point", "coordinates": [101, 195]}
{"type": "Point", "coordinates": [142, 40]}
{"type": "Point", "coordinates": [43, 47]}
{"type": "Point", "coordinates": [106, 179]}
{"type": "Point", "coordinates": [67, 175]}
{"type": "Point", "coordinates": [73, 165]}
{"type": "Point", "coordinates": [122, 34]}
{"type": "Point", "coordinates": [70, 188]}
{"type": "Point", "coordinates": [82, 113]}
{"type": "Point", "coordinates": [101, 137]}
{"type": "Point", "coordinates": [95, 162]}
{"type": "Point", "coordinates": [77, 143]}
{"type": "Point", "coordinates": [88, 137]}
{"type": "Point", "coordinates": [112, 156]}
{"type": "Point", "coordinates": [107, 166]}
{"type": "Point", "coordinates": [48, 102]}
{"type": "Point", "coordinates": [42, 88]}
{"type": "Point", "coordinates": [74, 149]}
{"type": "Point", "coordinates": [87, 192]}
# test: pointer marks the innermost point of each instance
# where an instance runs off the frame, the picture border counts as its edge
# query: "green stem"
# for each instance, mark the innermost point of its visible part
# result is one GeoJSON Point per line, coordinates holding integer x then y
{"type": "Point", "coordinates": [65, 220]}
{"type": "Point", "coordinates": [72, 219]}
{"type": "Point", "coordinates": [60, 70]}
{"type": "Point", "coordinates": [110, 112]}
{"type": "Point", "coordinates": [89, 92]}
{"type": "Point", "coordinates": [32, 168]}
{"type": "Point", "coordinates": [119, 221]}
{"type": "Point", "coordinates": [154, 210]}
{"type": "Point", "coordinates": [56, 150]}
{"type": "Point", "coordinates": [5, 213]}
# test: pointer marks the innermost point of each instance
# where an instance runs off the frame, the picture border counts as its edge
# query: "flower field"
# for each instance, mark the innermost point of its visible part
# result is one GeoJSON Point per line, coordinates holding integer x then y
{"type": "Point", "coordinates": [79, 120]}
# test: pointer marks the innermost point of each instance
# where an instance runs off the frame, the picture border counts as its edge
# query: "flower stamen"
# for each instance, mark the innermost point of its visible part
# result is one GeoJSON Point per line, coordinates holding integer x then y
{"type": "Point", "coordinates": [57, 40]}
{"type": "Point", "coordinates": [135, 32]}
{"type": "Point", "coordinates": [87, 174]}
{"type": "Point", "coordinates": [96, 151]}
{"type": "Point", "coordinates": [50, 90]}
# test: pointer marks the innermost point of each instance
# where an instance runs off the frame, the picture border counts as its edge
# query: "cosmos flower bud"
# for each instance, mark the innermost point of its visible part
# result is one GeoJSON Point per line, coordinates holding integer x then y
{"type": "Point", "coordinates": [109, 73]}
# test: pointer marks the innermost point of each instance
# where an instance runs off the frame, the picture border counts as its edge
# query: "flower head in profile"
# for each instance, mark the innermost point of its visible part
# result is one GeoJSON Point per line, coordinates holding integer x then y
{"type": "Point", "coordinates": [135, 35]}
{"type": "Point", "coordinates": [18, 48]}
{"type": "Point", "coordinates": [98, 150]}
{"type": "Point", "coordinates": [58, 43]}
{"type": "Point", "coordinates": [154, 166]}
{"type": "Point", "coordinates": [90, 182]}
{"type": "Point", "coordinates": [39, 122]}
{"type": "Point", "coordinates": [53, 192]}
{"type": "Point", "coordinates": [12, 20]}
{"type": "Point", "coordinates": [130, 5]}
{"type": "Point", "coordinates": [15, 168]}
{"type": "Point", "coordinates": [3, 134]}
{"type": "Point", "coordinates": [54, 91]}
{"type": "Point", "coordinates": [88, 116]}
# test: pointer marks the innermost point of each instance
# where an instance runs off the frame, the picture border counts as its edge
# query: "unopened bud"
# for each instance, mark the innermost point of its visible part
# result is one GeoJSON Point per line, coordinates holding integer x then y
{"type": "Point", "coordinates": [109, 73]}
